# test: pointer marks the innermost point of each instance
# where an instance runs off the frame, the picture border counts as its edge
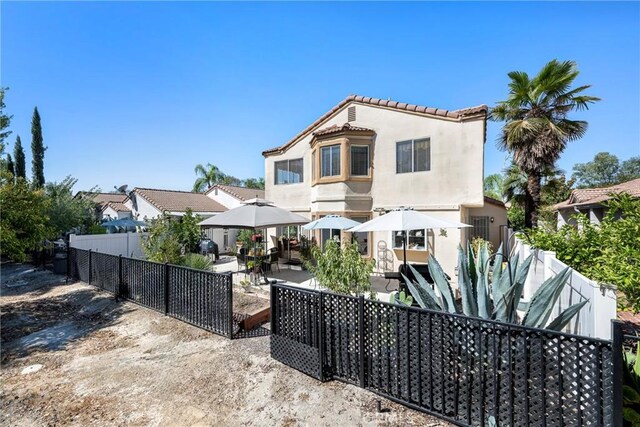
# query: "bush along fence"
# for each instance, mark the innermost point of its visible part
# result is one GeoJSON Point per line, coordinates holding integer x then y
{"type": "Point", "coordinates": [201, 298]}
{"type": "Point", "coordinates": [466, 370]}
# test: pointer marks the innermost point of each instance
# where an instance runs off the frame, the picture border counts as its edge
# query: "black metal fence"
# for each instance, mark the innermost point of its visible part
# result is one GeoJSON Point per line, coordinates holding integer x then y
{"type": "Point", "coordinates": [201, 298]}
{"type": "Point", "coordinates": [466, 370]}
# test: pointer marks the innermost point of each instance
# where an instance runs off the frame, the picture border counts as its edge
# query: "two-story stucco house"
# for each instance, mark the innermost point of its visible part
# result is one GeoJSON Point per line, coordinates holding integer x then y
{"type": "Point", "coordinates": [366, 156]}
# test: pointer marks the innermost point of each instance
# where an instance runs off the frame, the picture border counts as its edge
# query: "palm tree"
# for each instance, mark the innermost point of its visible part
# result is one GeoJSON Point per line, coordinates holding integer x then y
{"type": "Point", "coordinates": [493, 185]}
{"type": "Point", "coordinates": [537, 129]}
{"type": "Point", "coordinates": [207, 176]}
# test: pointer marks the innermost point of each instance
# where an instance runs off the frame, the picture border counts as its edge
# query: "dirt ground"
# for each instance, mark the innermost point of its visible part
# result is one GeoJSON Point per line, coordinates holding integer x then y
{"type": "Point", "coordinates": [71, 355]}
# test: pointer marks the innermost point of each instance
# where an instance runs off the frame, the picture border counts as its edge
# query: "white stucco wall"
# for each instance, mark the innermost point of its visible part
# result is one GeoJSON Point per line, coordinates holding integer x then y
{"type": "Point", "coordinates": [454, 180]}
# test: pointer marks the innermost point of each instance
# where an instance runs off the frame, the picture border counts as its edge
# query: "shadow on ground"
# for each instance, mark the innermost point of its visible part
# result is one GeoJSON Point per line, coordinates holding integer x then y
{"type": "Point", "coordinates": [41, 312]}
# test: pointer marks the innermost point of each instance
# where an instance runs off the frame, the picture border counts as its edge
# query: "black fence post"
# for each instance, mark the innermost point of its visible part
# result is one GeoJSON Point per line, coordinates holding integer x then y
{"type": "Point", "coordinates": [230, 302]}
{"type": "Point", "coordinates": [116, 291]}
{"type": "Point", "coordinates": [321, 335]}
{"type": "Point", "coordinates": [361, 333]}
{"type": "Point", "coordinates": [166, 288]}
{"type": "Point", "coordinates": [68, 263]}
{"type": "Point", "coordinates": [89, 266]}
{"type": "Point", "coordinates": [272, 310]}
{"type": "Point", "coordinates": [617, 352]}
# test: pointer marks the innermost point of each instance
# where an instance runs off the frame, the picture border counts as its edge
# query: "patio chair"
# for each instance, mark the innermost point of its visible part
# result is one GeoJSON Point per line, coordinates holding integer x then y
{"type": "Point", "coordinates": [274, 256]}
{"type": "Point", "coordinates": [241, 256]}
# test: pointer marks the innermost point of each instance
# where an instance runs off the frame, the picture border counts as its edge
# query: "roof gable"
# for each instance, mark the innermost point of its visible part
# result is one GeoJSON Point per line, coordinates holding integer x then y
{"type": "Point", "coordinates": [240, 193]}
{"type": "Point", "coordinates": [461, 115]}
{"type": "Point", "coordinates": [594, 196]}
{"type": "Point", "coordinates": [178, 201]}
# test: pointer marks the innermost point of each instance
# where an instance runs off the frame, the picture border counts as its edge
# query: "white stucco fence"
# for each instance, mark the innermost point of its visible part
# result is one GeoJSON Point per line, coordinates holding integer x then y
{"type": "Point", "coordinates": [594, 319]}
{"type": "Point", "coordinates": [125, 244]}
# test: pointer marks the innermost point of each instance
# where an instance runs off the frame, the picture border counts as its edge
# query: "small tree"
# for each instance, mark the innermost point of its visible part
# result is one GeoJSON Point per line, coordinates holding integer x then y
{"type": "Point", "coordinates": [23, 223]}
{"type": "Point", "coordinates": [342, 270]}
{"type": "Point", "coordinates": [18, 154]}
{"type": "Point", "coordinates": [189, 231]}
{"type": "Point", "coordinates": [66, 212]}
{"type": "Point", "coordinates": [5, 120]}
{"type": "Point", "coordinates": [11, 167]}
{"type": "Point", "coordinates": [162, 244]}
{"type": "Point", "coordinates": [37, 149]}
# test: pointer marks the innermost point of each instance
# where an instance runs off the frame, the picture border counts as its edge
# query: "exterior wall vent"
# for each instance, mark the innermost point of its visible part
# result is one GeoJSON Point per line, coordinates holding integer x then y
{"type": "Point", "coordinates": [351, 114]}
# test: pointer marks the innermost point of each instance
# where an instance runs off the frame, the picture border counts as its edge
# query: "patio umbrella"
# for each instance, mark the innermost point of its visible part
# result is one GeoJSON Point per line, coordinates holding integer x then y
{"type": "Point", "coordinates": [124, 222]}
{"type": "Point", "coordinates": [404, 219]}
{"type": "Point", "coordinates": [254, 213]}
{"type": "Point", "coordinates": [334, 222]}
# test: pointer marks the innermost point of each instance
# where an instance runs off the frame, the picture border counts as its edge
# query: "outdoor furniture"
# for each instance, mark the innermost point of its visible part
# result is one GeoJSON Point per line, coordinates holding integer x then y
{"type": "Point", "coordinates": [273, 258]}
{"type": "Point", "coordinates": [242, 258]}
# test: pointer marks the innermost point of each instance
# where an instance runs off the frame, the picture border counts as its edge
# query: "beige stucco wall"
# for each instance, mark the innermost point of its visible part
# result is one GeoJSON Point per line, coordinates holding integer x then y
{"type": "Point", "coordinates": [453, 181]}
{"type": "Point", "coordinates": [499, 215]}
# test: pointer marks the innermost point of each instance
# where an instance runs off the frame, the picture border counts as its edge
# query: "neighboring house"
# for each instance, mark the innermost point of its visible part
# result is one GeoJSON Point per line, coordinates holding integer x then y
{"type": "Point", "coordinates": [590, 201]}
{"type": "Point", "coordinates": [115, 210]}
{"type": "Point", "coordinates": [149, 203]}
{"type": "Point", "coordinates": [489, 221]}
{"type": "Point", "coordinates": [366, 156]}
{"type": "Point", "coordinates": [102, 199]}
{"type": "Point", "coordinates": [231, 196]}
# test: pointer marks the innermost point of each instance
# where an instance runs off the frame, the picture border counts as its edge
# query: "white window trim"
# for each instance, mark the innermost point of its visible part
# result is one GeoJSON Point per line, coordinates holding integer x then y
{"type": "Point", "coordinates": [426, 242]}
{"type": "Point", "coordinates": [331, 148]}
{"type": "Point", "coordinates": [413, 153]}
{"type": "Point", "coordinates": [275, 170]}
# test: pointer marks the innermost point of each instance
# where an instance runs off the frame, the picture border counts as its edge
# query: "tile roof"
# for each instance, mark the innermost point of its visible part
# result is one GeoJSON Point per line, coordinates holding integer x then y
{"type": "Point", "coordinates": [493, 201]}
{"type": "Point", "coordinates": [344, 128]}
{"type": "Point", "coordinates": [595, 196]}
{"type": "Point", "coordinates": [456, 115]}
{"type": "Point", "coordinates": [116, 206]}
{"type": "Point", "coordinates": [241, 193]}
{"type": "Point", "coordinates": [102, 199]}
{"type": "Point", "coordinates": [179, 201]}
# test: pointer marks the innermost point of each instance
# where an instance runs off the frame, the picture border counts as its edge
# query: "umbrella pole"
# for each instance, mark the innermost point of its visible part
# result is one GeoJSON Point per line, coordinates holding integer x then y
{"type": "Point", "coordinates": [404, 255]}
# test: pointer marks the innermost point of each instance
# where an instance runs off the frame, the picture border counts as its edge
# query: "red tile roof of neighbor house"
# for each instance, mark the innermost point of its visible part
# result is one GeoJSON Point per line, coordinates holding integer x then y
{"type": "Point", "coordinates": [240, 193]}
{"type": "Point", "coordinates": [455, 115]}
{"type": "Point", "coordinates": [102, 199]}
{"type": "Point", "coordinates": [596, 196]}
{"type": "Point", "coordinates": [179, 201]}
{"type": "Point", "coordinates": [116, 206]}
{"type": "Point", "coordinates": [493, 201]}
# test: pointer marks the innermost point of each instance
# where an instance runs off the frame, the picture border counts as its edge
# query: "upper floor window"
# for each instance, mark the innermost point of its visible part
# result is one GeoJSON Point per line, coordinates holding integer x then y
{"type": "Point", "coordinates": [413, 155]}
{"type": "Point", "coordinates": [359, 160]}
{"type": "Point", "coordinates": [330, 160]}
{"type": "Point", "coordinates": [288, 172]}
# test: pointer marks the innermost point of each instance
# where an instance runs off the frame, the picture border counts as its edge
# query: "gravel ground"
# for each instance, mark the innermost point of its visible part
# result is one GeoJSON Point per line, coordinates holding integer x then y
{"type": "Point", "coordinates": [71, 355]}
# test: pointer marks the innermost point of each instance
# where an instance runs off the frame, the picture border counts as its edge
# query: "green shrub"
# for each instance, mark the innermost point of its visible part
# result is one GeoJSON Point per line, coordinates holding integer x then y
{"type": "Point", "coordinates": [197, 261]}
{"type": "Point", "coordinates": [96, 229]}
{"type": "Point", "coordinates": [608, 253]}
{"type": "Point", "coordinates": [342, 270]}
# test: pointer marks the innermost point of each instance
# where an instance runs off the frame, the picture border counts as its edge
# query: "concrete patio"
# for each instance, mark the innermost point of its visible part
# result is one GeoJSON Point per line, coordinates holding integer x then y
{"type": "Point", "coordinates": [296, 277]}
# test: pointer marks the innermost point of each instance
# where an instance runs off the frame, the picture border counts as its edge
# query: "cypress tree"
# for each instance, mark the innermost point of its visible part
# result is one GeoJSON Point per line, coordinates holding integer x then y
{"type": "Point", "coordinates": [37, 149]}
{"type": "Point", "coordinates": [10, 166]}
{"type": "Point", "coordinates": [18, 154]}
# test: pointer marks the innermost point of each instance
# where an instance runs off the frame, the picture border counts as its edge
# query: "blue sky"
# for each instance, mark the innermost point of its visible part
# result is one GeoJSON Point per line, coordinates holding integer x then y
{"type": "Point", "coordinates": [138, 93]}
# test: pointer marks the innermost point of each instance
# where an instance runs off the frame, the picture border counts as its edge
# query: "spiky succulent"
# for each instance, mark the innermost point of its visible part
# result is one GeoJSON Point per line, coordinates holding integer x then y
{"type": "Point", "coordinates": [499, 298]}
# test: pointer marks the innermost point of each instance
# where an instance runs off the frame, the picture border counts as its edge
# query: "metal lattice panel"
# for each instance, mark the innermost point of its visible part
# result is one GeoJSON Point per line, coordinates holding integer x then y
{"type": "Point", "coordinates": [104, 271]}
{"type": "Point", "coordinates": [143, 282]}
{"type": "Point", "coordinates": [79, 264]}
{"type": "Point", "coordinates": [464, 369]}
{"type": "Point", "coordinates": [201, 298]}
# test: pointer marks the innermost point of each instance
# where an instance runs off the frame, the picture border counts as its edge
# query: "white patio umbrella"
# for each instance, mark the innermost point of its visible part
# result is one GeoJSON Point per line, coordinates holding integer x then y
{"type": "Point", "coordinates": [405, 219]}
{"type": "Point", "coordinates": [334, 222]}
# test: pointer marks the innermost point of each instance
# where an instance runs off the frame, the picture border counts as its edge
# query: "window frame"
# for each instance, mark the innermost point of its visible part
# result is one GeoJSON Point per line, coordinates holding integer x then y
{"type": "Point", "coordinates": [413, 155]}
{"type": "Point", "coordinates": [425, 245]}
{"type": "Point", "coordinates": [288, 161]}
{"type": "Point", "coordinates": [368, 168]}
{"type": "Point", "coordinates": [331, 148]}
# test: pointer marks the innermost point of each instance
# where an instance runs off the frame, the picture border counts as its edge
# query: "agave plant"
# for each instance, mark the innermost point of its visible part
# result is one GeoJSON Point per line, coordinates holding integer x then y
{"type": "Point", "coordinates": [498, 298]}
